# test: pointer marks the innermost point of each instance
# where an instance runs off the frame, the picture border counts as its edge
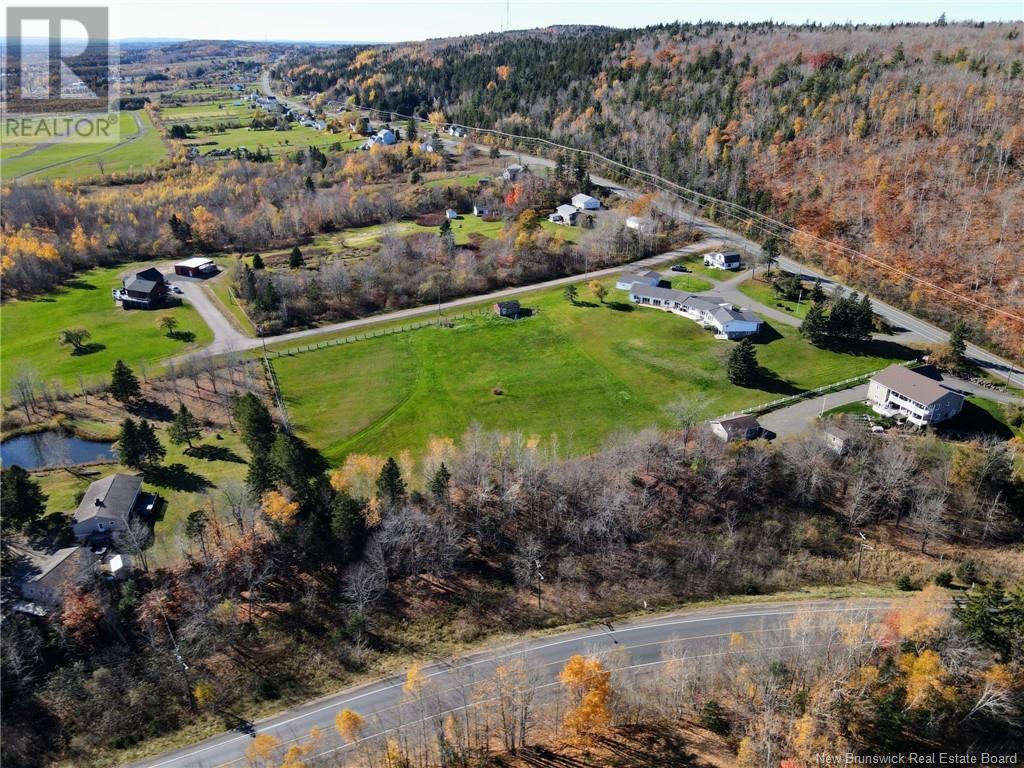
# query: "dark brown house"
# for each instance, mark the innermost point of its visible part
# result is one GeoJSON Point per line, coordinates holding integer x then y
{"type": "Point", "coordinates": [145, 290]}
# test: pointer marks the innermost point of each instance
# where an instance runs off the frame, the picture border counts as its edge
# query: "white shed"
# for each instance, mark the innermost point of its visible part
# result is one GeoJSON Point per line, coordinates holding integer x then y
{"type": "Point", "coordinates": [586, 202]}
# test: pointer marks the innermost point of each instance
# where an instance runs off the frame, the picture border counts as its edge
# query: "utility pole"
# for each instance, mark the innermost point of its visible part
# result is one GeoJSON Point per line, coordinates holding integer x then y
{"type": "Point", "coordinates": [860, 552]}
{"type": "Point", "coordinates": [540, 579]}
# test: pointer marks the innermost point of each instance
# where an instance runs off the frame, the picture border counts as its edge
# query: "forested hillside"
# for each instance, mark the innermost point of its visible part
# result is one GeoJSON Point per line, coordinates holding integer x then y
{"type": "Point", "coordinates": [905, 142]}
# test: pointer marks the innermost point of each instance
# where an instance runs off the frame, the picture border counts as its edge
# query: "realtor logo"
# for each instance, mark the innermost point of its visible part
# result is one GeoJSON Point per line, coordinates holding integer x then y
{"type": "Point", "coordinates": [59, 60]}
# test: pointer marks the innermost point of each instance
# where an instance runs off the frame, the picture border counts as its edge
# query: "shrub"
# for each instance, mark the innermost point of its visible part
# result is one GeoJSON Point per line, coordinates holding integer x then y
{"type": "Point", "coordinates": [904, 583]}
{"type": "Point", "coordinates": [967, 571]}
{"type": "Point", "coordinates": [943, 579]}
{"type": "Point", "coordinates": [498, 391]}
{"type": "Point", "coordinates": [431, 219]}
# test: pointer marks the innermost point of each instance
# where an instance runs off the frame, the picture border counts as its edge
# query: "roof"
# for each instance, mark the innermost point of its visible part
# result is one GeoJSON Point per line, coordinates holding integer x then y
{"type": "Point", "coordinates": [638, 276]}
{"type": "Point", "coordinates": [508, 304]}
{"type": "Point", "coordinates": [738, 425]}
{"type": "Point", "coordinates": [141, 286]}
{"type": "Point", "coordinates": [654, 292]}
{"type": "Point", "coordinates": [150, 273]}
{"type": "Point", "coordinates": [912, 384]}
{"type": "Point", "coordinates": [112, 496]}
{"type": "Point", "coordinates": [42, 565]}
{"type": "Point", "coordinates": [566, 210]}
{"type": "Point", "coordinates": [194, 263]}
{"type": "Point", "coordinates": [584, 197]}
{"type": "Point", "coordinates": [708, 303]}
{"type": "Point", "coordinates": [839, 432]}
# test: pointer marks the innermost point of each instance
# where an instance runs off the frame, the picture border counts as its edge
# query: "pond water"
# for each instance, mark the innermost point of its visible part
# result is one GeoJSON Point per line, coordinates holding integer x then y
{"type": "Point", "coordinates": [53, 449]}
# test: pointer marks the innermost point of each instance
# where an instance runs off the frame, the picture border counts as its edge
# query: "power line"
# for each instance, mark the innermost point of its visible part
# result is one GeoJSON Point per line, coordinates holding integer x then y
{"type": "Point", "coordinates": [764, 223]}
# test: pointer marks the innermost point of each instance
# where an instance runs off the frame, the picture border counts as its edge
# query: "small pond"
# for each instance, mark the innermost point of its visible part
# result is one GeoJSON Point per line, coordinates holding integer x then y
{"type": "Point", "coordinates": [53, 449]}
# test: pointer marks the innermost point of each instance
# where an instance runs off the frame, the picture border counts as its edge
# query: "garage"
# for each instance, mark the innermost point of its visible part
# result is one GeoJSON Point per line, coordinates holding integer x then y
{"type": "Point", "coordinates": [195, 267]}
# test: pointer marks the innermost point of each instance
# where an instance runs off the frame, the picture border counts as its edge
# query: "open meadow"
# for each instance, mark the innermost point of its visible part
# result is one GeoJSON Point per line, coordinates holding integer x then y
{"type": "Point", "coordinates": [580, 372]}
{"type": "Point", "coordinates": [30, 326]}
{"type": "Point", "coordinates": [137, 147]}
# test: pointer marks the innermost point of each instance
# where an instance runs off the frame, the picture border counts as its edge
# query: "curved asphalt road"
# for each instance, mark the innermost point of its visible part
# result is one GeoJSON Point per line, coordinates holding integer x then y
{"type": "Point", "coordinates": [692, 635]}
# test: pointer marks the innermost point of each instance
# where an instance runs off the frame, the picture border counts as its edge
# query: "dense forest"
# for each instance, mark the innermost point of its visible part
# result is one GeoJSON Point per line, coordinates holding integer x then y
{"type": "Point", "coordinates": [904, 143]}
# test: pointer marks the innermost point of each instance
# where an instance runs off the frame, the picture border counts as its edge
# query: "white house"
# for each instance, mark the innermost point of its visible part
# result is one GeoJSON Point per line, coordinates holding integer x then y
{"type": "Point", "coordinates": [451, 214]}
{"type": "Point", "coordinates": [900, 392]}
{"type": "Point", "coordinates": [511, 173]}
{"type": "Point", "coordinates": [386, 137]}
{"type": "Point", "coordinates": [727, 260]}
{"type": "Point", "coordinates": [626, 280]}
{"type": "Point", "coordinates": [107, 506]}
{"type": "Point", "coordinates": [479, 209]}
{"type": "Point", "coordinates": [744, 427]}
{"type": "Point", "coordinates": [586, 202]}
{"type": "Point", "coordinates": [564, 214]}
{"type": "Point", "coordinates": [710, 311]}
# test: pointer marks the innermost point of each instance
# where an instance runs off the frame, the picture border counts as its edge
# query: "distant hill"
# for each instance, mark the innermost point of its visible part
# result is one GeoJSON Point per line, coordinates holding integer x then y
{"type": "Point", "coordinates": [905, 142]}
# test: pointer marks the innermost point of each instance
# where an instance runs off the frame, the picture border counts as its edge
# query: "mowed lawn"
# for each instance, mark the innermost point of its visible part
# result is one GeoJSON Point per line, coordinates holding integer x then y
{"type": "Point", "coordinates": [578, 372]}
{"type": "Point", "coordinates": [29, 328]}
{"type": "Point", "coordinates": [765, 294]}
{"type": "Point", "coordinates": [462, 228]}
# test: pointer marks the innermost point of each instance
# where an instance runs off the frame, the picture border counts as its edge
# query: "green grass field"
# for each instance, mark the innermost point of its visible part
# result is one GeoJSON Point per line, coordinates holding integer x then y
{"type": "Point", "coordinates": [467, 180]}
{"type": "Point", "coordinates": [765, 294]}
{"type": "Point", "coordinates": [581, 372]}
{"type": "Point", "coordinates": [298, 137]}
{"type": "Point", "coordinates": [28, 336]}
{"type": "Point", "coordinates": [462, 227]}
{"type": "Point", "coordinates": [691, 283]}
{"type": "Point", "coordinates": [134, 150]}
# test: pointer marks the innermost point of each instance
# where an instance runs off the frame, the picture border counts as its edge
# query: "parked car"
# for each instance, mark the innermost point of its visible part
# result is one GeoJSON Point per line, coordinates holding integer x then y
{"type": "Point", "coordinates": [878, 429]}
{"type": "Point", "coordinates": [176, 289]}
{"type": "Point", "coordinates": [679, 268]}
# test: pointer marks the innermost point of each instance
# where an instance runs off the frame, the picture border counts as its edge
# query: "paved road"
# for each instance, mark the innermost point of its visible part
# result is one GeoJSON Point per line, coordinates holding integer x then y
{"type": "Point", "coordinates": [693, 634]}
{"type": "Point", "coordinates": [226, 337]}
{"type": "Point", "coordinates": [914, 329]}
{"type": "Point", "coordinates": [232, 339]}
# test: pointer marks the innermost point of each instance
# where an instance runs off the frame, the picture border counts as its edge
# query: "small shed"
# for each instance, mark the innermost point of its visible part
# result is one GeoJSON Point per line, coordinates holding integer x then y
{"type": "Point", "coordinates": [836, 438]}
{"type": "Point", "coordinates": [744, 427]}
{"type": "Point", "coordinates": [451, 214]}
{"type": "Point", "coordinates": [510, 309]}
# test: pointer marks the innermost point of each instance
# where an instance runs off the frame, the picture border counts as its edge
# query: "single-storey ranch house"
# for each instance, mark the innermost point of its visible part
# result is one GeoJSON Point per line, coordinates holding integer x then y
{"type": "Point", "coordinates": [710, 311]}
{"type": "Point", "coordinates": [900, 392]}
{"type": "Point", "coordinates": [627, 280]}
{"type": "Point", "coordinates": [743, 427]}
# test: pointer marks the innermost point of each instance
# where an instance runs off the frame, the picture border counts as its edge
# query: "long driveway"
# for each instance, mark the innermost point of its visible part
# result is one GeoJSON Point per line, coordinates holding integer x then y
{"type": "Point", "coordinates": [647, 643]}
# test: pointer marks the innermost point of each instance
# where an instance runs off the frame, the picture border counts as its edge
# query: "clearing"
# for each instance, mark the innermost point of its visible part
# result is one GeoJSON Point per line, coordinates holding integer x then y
{"type": "Point", "coordinates": [30, 328]}
{"type": "Point", "coordinates": [579, 372]}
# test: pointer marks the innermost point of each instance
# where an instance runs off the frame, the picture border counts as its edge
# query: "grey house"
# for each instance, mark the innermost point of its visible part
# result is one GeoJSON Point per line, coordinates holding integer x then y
{"type": "Point", "coordinates": [107, 506]}
{"type": "Point", "coordinates": [743, 427]}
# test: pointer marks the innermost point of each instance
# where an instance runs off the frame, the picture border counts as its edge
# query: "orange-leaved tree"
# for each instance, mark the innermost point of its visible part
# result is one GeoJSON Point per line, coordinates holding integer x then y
{"type": "Point", "coordinates": [590, 690]}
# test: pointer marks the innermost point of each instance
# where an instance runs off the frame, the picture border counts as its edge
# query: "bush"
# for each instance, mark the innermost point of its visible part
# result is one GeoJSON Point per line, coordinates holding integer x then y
{"type": "Point", "coordinates": [967, 571]}
{"type": "Point", "coordinates": [431, 219]}
{"type": "Point", "coordinates": [943, 579]}
{"type": "Point", "coordinates": [749, 586]}
{"type": "Point", "coordinates": [904, 583]}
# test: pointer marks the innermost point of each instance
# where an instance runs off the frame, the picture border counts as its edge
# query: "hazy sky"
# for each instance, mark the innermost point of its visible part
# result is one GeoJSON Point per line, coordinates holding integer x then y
{"type": "Point", "coordinates": [393, 20]}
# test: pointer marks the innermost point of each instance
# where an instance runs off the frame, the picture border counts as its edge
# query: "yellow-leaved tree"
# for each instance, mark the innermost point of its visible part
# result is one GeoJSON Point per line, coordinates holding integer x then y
{"type": "Point", "coordinates": [263, 750]}
{"type": "Point", "coordinates": [349, 725]}
{"type": "Point", "coordinates": [589, 686]}
{"type": "Point", "coordinates": [278, 508]}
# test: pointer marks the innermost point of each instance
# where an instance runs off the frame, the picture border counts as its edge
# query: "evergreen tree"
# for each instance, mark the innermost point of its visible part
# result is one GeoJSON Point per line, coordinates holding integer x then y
{"type": "Point", "coordinates": [958, 348]}
{"type": "Point", "coordinates": [741, 367]}
{"type": "Point", "coordinates": [581, 173]}
{"type": "Point", "coordinates": [185, 427]}
{"type": "Point", "coordinates": [817, 292]}
{"type": "Point", "coordinates": [310, 185]}
{"type": "Point", "coordinates": [124, 385]}
{"type": "Point", "coordinates": [814, 328]}
{"type": "Point", "coordinates": [571, 293]}
{"type": "Point", "coordinates": [865, 317]}
{"type": "Point", "coordinates": [152, 451]}
{"type": "Point", "coordinates": [390, 485]}
{"type": "Point", "coordinates": [257, 261]}
{"type": "Point", "coordinates": [348, 524]}
{"type": "Point", "coordinates": [410, 129]}
{"type": "Point", "coordinates": [254, 422]}
{"type": "Point", "coordinates": [129, 448]}
{"type": "Point", "coordinates": [446, 227]}
{"type": "Point", "coordinates": [259, 477]}
{"type": "Point", "coordinates": [440, 483]}
{"type": "Point", "coordinates": [295, 260]}
{"type": "Point", "coordinates": [21, 500]}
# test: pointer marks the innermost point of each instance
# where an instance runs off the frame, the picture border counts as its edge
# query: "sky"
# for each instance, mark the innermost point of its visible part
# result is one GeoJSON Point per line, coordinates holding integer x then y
{"type": "Point", "coordinates": [397, 20]}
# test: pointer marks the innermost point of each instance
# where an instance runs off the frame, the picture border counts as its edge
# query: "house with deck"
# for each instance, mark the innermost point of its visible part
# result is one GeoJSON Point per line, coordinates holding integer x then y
{"type": "Point", "coordinates": [107, 507]}
{"type": "Point", "coordinates": [144, 290]}
{"type": "Point", "coordinates": [899, 392]}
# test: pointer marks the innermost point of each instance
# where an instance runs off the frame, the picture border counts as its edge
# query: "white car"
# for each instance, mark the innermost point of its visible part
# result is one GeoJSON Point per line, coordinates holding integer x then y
{"type": "Point", "coordinates": [878, 429]}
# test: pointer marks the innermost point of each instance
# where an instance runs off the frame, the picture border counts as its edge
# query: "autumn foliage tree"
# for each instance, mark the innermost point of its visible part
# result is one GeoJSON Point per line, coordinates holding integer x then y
{"type": "Point", "coordinates": [589, 687]}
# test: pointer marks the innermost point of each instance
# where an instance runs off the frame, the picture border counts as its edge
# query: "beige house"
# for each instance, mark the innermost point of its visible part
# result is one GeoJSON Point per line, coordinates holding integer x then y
{"type": "Point", "coordinates": [41, 575]}
{"type": "Point", "coordinates": [898, 392]}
